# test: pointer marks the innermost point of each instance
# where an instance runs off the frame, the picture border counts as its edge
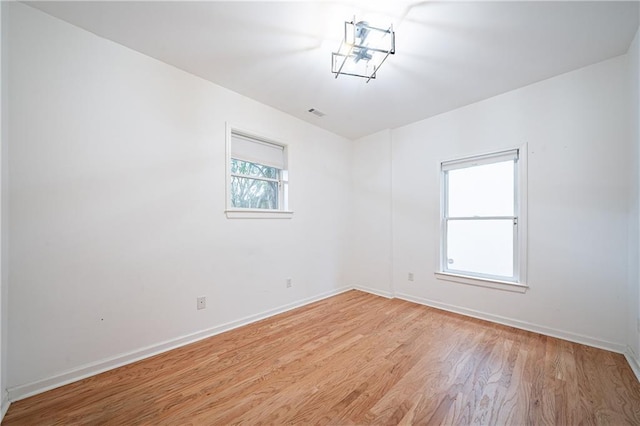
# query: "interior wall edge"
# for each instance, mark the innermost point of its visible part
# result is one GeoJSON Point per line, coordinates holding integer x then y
{"type": "Point", "coordinates": [522, 325]}
{"type": "Point", "coordinates": [4, 231]}
{"type": "Point", "coordinates": [632, 360]}
{"type": "Point", "coordinates": [19, 392]}
{"type": "Point", "coordinates": [4, 405]}
{"type": "Point", "coordinates": [381, 293]}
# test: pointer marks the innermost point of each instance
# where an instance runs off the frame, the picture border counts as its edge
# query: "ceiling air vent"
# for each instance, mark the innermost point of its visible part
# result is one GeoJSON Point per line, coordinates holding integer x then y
{"type": "Point", "coordinates": [316, 112]}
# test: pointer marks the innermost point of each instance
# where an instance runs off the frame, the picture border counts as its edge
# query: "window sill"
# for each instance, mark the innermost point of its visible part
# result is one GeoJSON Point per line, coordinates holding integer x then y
{"type": "Point", "coordinates": [483, 282]}
{"type": "Point", "coordinates": [258, 214]}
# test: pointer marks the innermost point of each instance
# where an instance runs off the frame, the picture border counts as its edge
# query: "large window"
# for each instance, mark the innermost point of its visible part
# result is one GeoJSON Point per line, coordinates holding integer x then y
{"type": "Point", "coordinates": [257, 175]}
{"type": "Point", "coordinates": [482, 232]}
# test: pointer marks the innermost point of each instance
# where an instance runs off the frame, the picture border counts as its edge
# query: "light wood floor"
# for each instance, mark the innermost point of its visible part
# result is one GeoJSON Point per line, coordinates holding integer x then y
{"type": "Point", "coordinates": [355, 359]}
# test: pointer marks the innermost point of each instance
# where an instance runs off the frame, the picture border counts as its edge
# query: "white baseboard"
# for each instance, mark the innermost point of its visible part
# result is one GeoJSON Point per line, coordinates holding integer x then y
{"type": "Point", "coordinates": [523, 325]}
{"type": "Point", "coordinates": [23, 391]}
{"type": "Point", "coordinates": [4, 405]}
{"type": "Point", "coordinates": [633, 361]}
{"type": "Point", "coordinates": [377, 292]}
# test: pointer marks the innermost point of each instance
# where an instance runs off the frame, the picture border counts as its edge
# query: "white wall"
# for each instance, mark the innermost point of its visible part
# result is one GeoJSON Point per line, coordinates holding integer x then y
{"type": "Point", "coordinates": [371, 257]}
{"type": "Point", "coordinates": [633, 298]}
{"type": "Point", "coordinates": [576, 126]}
{"type": "Point", "coordinates": [4, 403]}
{"type": "Point", "coordinates": [117, 194]}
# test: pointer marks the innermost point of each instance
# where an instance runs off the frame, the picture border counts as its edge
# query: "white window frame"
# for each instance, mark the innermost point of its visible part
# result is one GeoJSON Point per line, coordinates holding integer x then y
{"type": "Point", "coordinates": [519, 281]}
{"type": "Point", "coordinates": [284, 206]}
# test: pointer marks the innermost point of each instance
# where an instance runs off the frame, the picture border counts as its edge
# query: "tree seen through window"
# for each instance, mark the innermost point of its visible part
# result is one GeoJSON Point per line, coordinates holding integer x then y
{"type": "Point", "coordinates": [253, 185]}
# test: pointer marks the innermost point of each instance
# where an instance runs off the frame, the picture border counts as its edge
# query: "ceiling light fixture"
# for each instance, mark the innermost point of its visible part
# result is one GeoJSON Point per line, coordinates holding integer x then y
{"type": "Point", "coordinates": [363, 50]}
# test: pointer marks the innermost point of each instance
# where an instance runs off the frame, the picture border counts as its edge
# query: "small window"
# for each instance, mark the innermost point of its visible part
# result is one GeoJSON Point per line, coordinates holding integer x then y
{"type": "Point", "coordinates": [257, 176]}
{"type": "Point", "coordinates": [482, 229]}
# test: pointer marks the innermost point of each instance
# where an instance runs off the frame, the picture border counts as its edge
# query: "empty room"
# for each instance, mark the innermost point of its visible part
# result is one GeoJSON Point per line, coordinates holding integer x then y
{"type": "Point", "coordinates": [314, 212]}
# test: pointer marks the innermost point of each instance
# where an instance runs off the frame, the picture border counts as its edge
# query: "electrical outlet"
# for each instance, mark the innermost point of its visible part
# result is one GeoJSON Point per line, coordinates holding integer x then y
{"type": "Point", "coordinates": [289, 282]}
{"type": "Point", "coordinates": [202, 302]}
{"type": "Point", "coordinates": [410, 277]}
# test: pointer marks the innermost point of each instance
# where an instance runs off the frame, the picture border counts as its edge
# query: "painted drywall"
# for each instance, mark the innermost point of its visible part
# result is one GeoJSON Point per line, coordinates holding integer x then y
{"type": "Point", "coordinates": [576, 128]}
{"type": "Point", "coordinates": [117, 198]}
{"type": "Point", "coordinates": [633, 314]}
{"type": "Point", "coordinates": [4, 403]}
{"type": "Point", "coordinates": [371, 214]}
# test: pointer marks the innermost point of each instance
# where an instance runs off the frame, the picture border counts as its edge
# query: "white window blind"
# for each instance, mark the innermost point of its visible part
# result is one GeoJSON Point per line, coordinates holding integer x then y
{"type": "Point", "coordinates": [511, 155]}
{"type": "Point", "coordinates": [257, 151]}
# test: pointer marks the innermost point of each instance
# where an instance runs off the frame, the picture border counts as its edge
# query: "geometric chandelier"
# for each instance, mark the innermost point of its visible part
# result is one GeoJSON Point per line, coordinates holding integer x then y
{"type": "Point", "coordinates": [363, 50]}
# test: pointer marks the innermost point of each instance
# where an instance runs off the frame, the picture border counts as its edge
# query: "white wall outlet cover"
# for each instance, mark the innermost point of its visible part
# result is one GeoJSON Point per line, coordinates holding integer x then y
{"type": "Point", "coordinates": [201, 302]}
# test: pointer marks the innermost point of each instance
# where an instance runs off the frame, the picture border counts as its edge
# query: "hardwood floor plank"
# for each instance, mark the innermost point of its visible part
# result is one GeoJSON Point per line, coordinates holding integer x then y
{"type": "Point", "coordinates": [498, 376]}
{"type": "Point", "coordinates": [355, 359]}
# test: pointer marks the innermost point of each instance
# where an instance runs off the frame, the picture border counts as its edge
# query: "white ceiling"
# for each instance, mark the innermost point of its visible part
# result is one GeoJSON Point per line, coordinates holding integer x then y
{"type": "Point", "coordinates": [449, 54]}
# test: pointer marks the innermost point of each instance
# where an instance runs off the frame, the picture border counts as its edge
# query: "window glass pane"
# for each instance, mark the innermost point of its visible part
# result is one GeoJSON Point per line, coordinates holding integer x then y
{"type": "Point", "coordinates": [480, 246]}
{"type": "Point", "coordinates": [253, 193]}
{"type": "Point", "coordinates": [253, 169]}
{"type": "Point", "coordinates": [485, 190]}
